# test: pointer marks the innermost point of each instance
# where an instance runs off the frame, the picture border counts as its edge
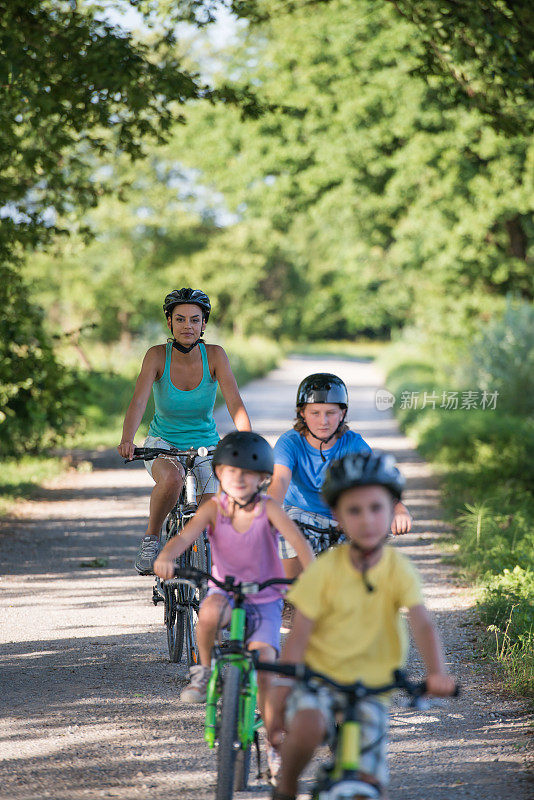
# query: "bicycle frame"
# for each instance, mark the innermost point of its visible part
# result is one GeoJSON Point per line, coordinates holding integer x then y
{"type": "Point", "coordinates": [235, 654]}
{"type": "Point", "coordinates": [247, 724]}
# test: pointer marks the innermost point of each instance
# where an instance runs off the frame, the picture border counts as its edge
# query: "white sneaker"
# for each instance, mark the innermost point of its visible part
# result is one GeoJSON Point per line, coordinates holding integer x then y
{"type": "Point", "coordinates": [273, 763]}
{"type": "Point", "coordinates": [195, 691]}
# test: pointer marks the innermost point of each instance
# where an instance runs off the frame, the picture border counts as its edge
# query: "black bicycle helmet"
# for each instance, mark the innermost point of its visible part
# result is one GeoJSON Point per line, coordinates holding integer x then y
{"type": "Point", "coordinates": [362, 469]}
{"type": "Point", "coordinates": [322, 387]}
{"type": "Point", "coordinates": [187, 295]}
{"type": "Point", "coordinates": [246, 450]}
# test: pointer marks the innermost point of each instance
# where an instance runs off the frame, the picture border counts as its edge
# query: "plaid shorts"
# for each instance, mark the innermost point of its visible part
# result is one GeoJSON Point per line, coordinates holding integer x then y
{"type": "Point", "coordinates": [372, 715]}
{"type": "Point", "coordinates": [303, 518]}
{"type": "Point", "coordinates": [207, 483]}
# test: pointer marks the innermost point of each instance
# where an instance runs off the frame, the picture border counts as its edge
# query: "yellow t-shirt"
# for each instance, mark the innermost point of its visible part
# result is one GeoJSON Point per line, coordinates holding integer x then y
{"type": "Point", "coordinates": [357, 634]}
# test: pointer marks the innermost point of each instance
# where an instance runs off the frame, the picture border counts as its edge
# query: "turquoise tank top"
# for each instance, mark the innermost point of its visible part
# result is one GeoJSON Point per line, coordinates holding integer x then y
{"type": "Point", "coordinates": [185, 418]}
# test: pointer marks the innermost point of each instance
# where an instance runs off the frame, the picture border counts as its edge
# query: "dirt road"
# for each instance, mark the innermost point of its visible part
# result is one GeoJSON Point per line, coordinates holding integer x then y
{"type": "Point", "coordinates": [88, 697]}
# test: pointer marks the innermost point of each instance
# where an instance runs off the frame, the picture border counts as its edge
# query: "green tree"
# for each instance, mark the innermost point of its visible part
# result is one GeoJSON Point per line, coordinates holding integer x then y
{"type": "Point", "coordinates": [395, 203]}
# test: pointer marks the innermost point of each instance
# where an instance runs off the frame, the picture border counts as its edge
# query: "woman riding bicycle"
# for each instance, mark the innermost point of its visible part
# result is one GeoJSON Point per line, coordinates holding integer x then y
{"type": "Point", "coordinates": [302, 455]}
{"type": "Point", "coordinates": [183, 375]}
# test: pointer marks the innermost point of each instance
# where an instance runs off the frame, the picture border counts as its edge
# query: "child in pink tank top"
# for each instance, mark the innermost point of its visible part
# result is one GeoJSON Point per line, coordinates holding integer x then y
{"type": "Point", "coordinates": [243, 527]}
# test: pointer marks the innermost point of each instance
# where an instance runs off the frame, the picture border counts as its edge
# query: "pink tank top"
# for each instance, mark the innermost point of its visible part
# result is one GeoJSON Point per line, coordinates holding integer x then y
{"type": "Point", "coordinates": [249, 556]}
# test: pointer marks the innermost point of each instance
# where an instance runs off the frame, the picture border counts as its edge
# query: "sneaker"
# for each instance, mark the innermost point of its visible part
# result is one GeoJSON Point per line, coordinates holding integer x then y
{"type": "Point", "coordinates": [147, 554]}
{"type": "Point", "coordinates": [273, 763]}
{"type": "Point", "coordinates": [195, 691]}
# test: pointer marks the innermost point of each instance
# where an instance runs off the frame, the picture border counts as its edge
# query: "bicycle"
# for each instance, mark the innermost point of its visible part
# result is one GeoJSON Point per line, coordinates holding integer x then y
{"type": "Point", "coordinates": [232, 722]}
{"type": "Point", "coordinates": [181, 604]}
{"type": "Point", "coordinates": [342, 778]}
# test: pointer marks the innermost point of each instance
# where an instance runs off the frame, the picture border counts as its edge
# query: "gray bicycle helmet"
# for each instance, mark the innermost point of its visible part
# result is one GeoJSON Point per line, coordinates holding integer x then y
{"type": "Point", "coordinates": [322, 387]}
{"type": "Point", "coordinates": [362, 469]}
{"type": "Point", "coordinates": [246, 450]}
{"type": "Point", "coordinates": [187, 295]}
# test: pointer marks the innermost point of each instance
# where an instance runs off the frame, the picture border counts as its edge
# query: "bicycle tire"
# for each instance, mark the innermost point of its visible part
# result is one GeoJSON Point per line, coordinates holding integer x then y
{"type": "Point", "coordinates": [242, 769]}
{"type": "Point", "coordinates": [174, 623]}
{"type": "Point", "coordinates": [226, 752]}
{"type": "Point", "coordinates": [190, 639]}
{"type": "Point", "coordinates": [201, 559]}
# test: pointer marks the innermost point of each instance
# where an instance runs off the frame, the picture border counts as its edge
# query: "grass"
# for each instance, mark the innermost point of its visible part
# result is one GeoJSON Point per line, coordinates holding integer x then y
{"type": "Point", "coordinates": [22, 479]}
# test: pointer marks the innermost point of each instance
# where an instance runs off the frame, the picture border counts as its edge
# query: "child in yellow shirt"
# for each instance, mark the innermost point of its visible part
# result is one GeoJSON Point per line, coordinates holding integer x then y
{"type": "Point", "coordinates": [347, 622]}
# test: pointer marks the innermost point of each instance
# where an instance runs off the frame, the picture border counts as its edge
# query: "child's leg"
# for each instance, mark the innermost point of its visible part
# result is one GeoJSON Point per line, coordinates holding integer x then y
{"type": "Point", "coordinates": [214, 613]}
{"type": "Point", "coordinates": [265, 653]}
{"type": "Point", "coordinates": [305, 733]}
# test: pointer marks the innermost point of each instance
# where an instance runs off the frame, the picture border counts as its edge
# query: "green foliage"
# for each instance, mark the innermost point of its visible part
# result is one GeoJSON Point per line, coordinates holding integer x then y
{"type": "Point", "coordinates": [481, 51]}
{"type": "Point", "coordinates": [508, 601]}
{"type": "Point", "coordinates": [384, 201]}
{"type": "Point", "coordinates": [40, 399]}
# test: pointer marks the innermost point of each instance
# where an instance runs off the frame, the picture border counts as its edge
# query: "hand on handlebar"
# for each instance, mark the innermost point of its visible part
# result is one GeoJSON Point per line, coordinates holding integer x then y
{"type": "Point", "coordinates": [164, 566]}
{"type": "Point", "coordinates": [126, 450]}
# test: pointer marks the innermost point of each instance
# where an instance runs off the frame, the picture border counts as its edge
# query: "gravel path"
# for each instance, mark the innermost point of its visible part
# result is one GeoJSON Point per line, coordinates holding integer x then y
{"type": "Point", "coordinates": [88, 697]}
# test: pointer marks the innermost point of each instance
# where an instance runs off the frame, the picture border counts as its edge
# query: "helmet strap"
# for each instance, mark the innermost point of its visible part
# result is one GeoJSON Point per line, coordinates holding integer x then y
{"type": "Point", "coordinates": [247, 502]}
{"type": "Point", "coordinates": [365, 555]}
{"type": "Point", "coordinates": [183, 349]}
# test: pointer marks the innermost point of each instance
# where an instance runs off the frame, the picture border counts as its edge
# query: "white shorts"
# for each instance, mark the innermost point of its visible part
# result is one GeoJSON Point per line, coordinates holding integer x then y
{"type": "Point", "coordinates": [298, 515]}
{"type": "Point", "coordinates": [207, 483]}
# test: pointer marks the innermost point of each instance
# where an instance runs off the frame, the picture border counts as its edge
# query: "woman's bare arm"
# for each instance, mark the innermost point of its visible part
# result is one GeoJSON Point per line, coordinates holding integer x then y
{"type": "Point", "coordinates": [136, 409]}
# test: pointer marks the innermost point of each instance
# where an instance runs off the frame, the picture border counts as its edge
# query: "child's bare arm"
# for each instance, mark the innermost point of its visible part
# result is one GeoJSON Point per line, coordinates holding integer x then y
{"type": "Point", "coordinates": [292, 653]}
{"type": "Point", "coordinates": [428, 643]}
{"type": "Point", "coordinates": [287, 528]}
{"type": "Point", "coordinates": [164, 563]}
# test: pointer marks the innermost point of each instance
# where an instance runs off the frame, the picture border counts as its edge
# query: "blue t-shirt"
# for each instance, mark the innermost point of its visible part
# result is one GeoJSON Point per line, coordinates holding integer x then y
{"type": "Point", "coordinates": [308, 468]}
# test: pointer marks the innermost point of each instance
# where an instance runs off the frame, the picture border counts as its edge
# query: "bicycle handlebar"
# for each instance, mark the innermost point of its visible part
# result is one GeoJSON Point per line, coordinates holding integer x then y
{"type": "Point", "coordinates": [150, 453]}
{"type": "Point", "coordinates": [229, 584]}
{"type": "Point", "coordinates": [360, 690]}
{"type": "Point", "coordinates": [332, 529]}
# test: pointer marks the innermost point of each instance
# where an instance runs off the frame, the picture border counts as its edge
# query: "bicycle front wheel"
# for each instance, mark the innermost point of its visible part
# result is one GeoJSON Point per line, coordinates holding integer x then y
{"type": "Point", "coordinates": [226, 752]}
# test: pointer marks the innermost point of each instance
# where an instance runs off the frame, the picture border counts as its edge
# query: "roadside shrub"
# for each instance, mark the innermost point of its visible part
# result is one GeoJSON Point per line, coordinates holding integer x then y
{"type": "Point", "coordinates": [498, 447]}
{"type": "Point", "coordinates": [502, 358]}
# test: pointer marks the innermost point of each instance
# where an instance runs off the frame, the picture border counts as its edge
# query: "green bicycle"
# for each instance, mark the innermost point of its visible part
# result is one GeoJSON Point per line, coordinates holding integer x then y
{"type": "Point", "coordinates": [232, 721]}
{"type": "Point", "coordinates": [341, 779]}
